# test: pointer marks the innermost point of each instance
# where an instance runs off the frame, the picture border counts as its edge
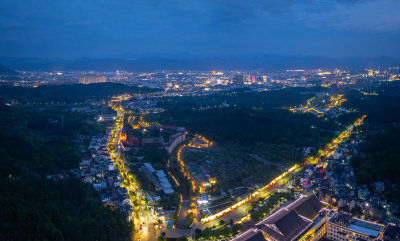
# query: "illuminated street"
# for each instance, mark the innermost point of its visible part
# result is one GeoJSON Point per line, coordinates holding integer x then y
{"type": "Point", "coordinates": [258, 120]}
{"type": "Point", "coordinates": [237, 211]}
{"type": "Point", "coordinates": [334, 102]}
{"type": "Point", "coordinates": [143, 218]}
{"type": "Point", "coordinates": [142, 215]}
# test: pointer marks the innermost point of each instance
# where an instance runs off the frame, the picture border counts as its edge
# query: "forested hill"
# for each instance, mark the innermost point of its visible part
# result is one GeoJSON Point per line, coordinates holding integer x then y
{"type": "Point", "coordinates": [252, 118]}
{"type": "Point", "coordinates": [380, 159]}
{"type": "Point", "coordinates": [70, 93]}
{"type": "Point", "coordinates": [32, 207]}
{"type": "Point", "coordinates": [6, 71]}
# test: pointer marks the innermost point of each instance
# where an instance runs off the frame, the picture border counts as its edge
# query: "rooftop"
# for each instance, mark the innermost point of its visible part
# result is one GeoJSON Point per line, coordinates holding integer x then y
{"type": "Point", "coordinates": [346, 220]}
{"type": "Point", "coordinates": [250, 235]}
{"type": "Point", "coordinates": [291, 221]}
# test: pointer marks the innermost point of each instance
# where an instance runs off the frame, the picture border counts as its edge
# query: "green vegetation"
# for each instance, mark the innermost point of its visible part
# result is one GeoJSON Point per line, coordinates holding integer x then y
{"type": "Point", "coordinates": [61, 94]}
{"type": "Point", "coordinates": [170, 201]}
{"type": "Point", "coordinates": [255, 132]}
{"type": "Point", "coordinates": [380, 155]}
{"type": "Point", "coordinates": [38, 141]}
{"type": "Point", "coordinates": [245, 126]}
{"type": "Point", "coordinates": [183, 238]}
{"type": "Point", "coordinates": [189, 220]}
{"type": "Point", "coordinates": [262, 208]}
{"type": "Point", "coordinates": [161, 237]}
{"type": "Point", "coordinates": [158, 157]}
{"type": "Point", "coordinates": [223, 230]}
{"type": "Point", "coordinates": [242, 98]}
{"type": "Point", "coordinates": [34, 208]}
{"type": "Point", "coordinates": [252, 118]}
{"type": "Point", "coordinates": [229, 167]}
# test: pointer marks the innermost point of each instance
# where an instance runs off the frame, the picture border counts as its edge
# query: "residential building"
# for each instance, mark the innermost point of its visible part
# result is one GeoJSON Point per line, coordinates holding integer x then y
{"type": "Point", "coordinates": [175, 140]}
{"type": "Point", "coordinates": [343, 226]}
{"type": "Point", "coordinates": [92, 79]}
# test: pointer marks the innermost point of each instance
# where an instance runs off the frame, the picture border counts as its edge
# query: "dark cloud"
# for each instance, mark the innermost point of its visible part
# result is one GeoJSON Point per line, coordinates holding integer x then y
{"type": "Point", "coordinates": [76, 28]}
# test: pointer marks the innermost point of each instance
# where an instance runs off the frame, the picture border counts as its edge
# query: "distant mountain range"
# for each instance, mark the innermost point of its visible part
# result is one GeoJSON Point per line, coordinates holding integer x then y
{"type": "Point", "coordinates": [239, 62]}
{"type": "Point", "coordinates": [6, 71]}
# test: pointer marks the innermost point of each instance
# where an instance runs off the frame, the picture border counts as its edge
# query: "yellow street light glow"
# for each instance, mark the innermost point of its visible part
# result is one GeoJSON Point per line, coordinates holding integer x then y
{"type": "Point", "coordinates": [249, 197]}
{"type": "Point", "coordinates": [336, 142]}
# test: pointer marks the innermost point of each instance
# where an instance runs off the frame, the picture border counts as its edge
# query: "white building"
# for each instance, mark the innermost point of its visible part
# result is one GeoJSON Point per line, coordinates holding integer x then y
{"type": "Point", "coordinates": [342, 226]}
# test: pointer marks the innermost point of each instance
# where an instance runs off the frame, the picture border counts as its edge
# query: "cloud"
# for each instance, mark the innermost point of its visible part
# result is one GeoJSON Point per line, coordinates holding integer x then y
{"type": "Point", "coordinates": [371, 15]}
{"type": "Point", "coordinates": [222, 15]}
{"type": "Point", "coordinates": [95, 26]}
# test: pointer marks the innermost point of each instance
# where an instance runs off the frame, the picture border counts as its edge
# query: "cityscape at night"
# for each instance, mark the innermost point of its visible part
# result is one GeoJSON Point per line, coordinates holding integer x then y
{"type": "Point", "coordinates": [200, 120]}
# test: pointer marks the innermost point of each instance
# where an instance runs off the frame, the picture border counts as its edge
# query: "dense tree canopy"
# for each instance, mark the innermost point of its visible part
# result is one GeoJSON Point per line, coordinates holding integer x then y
{"type": "Point", "coordinates": [250, 118]}
{"type": "Point", "coordinates": [33, 143]}
{"type": "Point", "coordinates": [380, 157]}
{"type": "Point", "coordinates": [34, 208]}
{"type": "Point", "coordinates": [69, 93]}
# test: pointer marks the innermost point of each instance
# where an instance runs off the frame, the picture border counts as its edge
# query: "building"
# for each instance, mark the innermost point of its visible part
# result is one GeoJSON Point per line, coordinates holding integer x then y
{"type": "Point", "coordinates": [251, 235]}
{"type": "Point", "coordinates": [102, 118]}
{"type": "Point", "coordinates": [122, 136]}
{"type": "Point", "coordinates": [175, 140]}
{"type": "Point", "coordinates": [148, 171]}
{"type": "Point", "coordinates": [162, 178]}
{"type": "Point", "coordinates": [303, 219]}
{"type": "Point", "coordinates": [370, 72]}
{"type": "Point", "coordinates": [204, 199]}
{"type": "Point", "coordinates": [92, 79]}
{"type": "Point", "coordinates": [132, 142]}
{"type": "Point", "coordinates": [170, 128]}
{"type": "Point", "coordinates": [343, 226]}
{"type": "Point", "coordinates": [392, 232]}
{"type": "Point", "coordinates": [237, 79]}
{"type": "Point", "coordinates": [155, 141]}
{"type": "Point", "coordinates": [379, 187]}
{"type": "Point", "coordinates": [309, 219]}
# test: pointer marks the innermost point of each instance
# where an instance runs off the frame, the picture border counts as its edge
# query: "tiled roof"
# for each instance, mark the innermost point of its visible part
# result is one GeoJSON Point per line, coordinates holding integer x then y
{"type": "Point", "coordinates": [284, 225]}
{"type": "Point", "coordinates": [250, 235]}
{"type": "Point", "coordinates": [310, 207]}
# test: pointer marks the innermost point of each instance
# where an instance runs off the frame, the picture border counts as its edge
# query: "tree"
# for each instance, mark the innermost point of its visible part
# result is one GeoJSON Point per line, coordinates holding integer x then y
{"type": "Point", "coordinates": [160, 238]}
{"type": "Point", "coordinates": [237, 228]}
{"type": "Point", "coordinates": [197, 233]}
{"type": "Point", "coordinates": [207, 233]}
{"type": "Point", "coordinates": [189, 220]}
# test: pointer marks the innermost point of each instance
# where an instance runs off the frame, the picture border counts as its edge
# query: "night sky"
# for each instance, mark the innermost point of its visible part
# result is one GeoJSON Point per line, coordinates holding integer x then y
{"type": "Point", "coordinates": [123, 28]}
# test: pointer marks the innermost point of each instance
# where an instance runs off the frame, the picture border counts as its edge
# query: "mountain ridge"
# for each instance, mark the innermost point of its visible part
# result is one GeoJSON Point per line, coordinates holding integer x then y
{"type": "Point", "coordinates": [242, 62]}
